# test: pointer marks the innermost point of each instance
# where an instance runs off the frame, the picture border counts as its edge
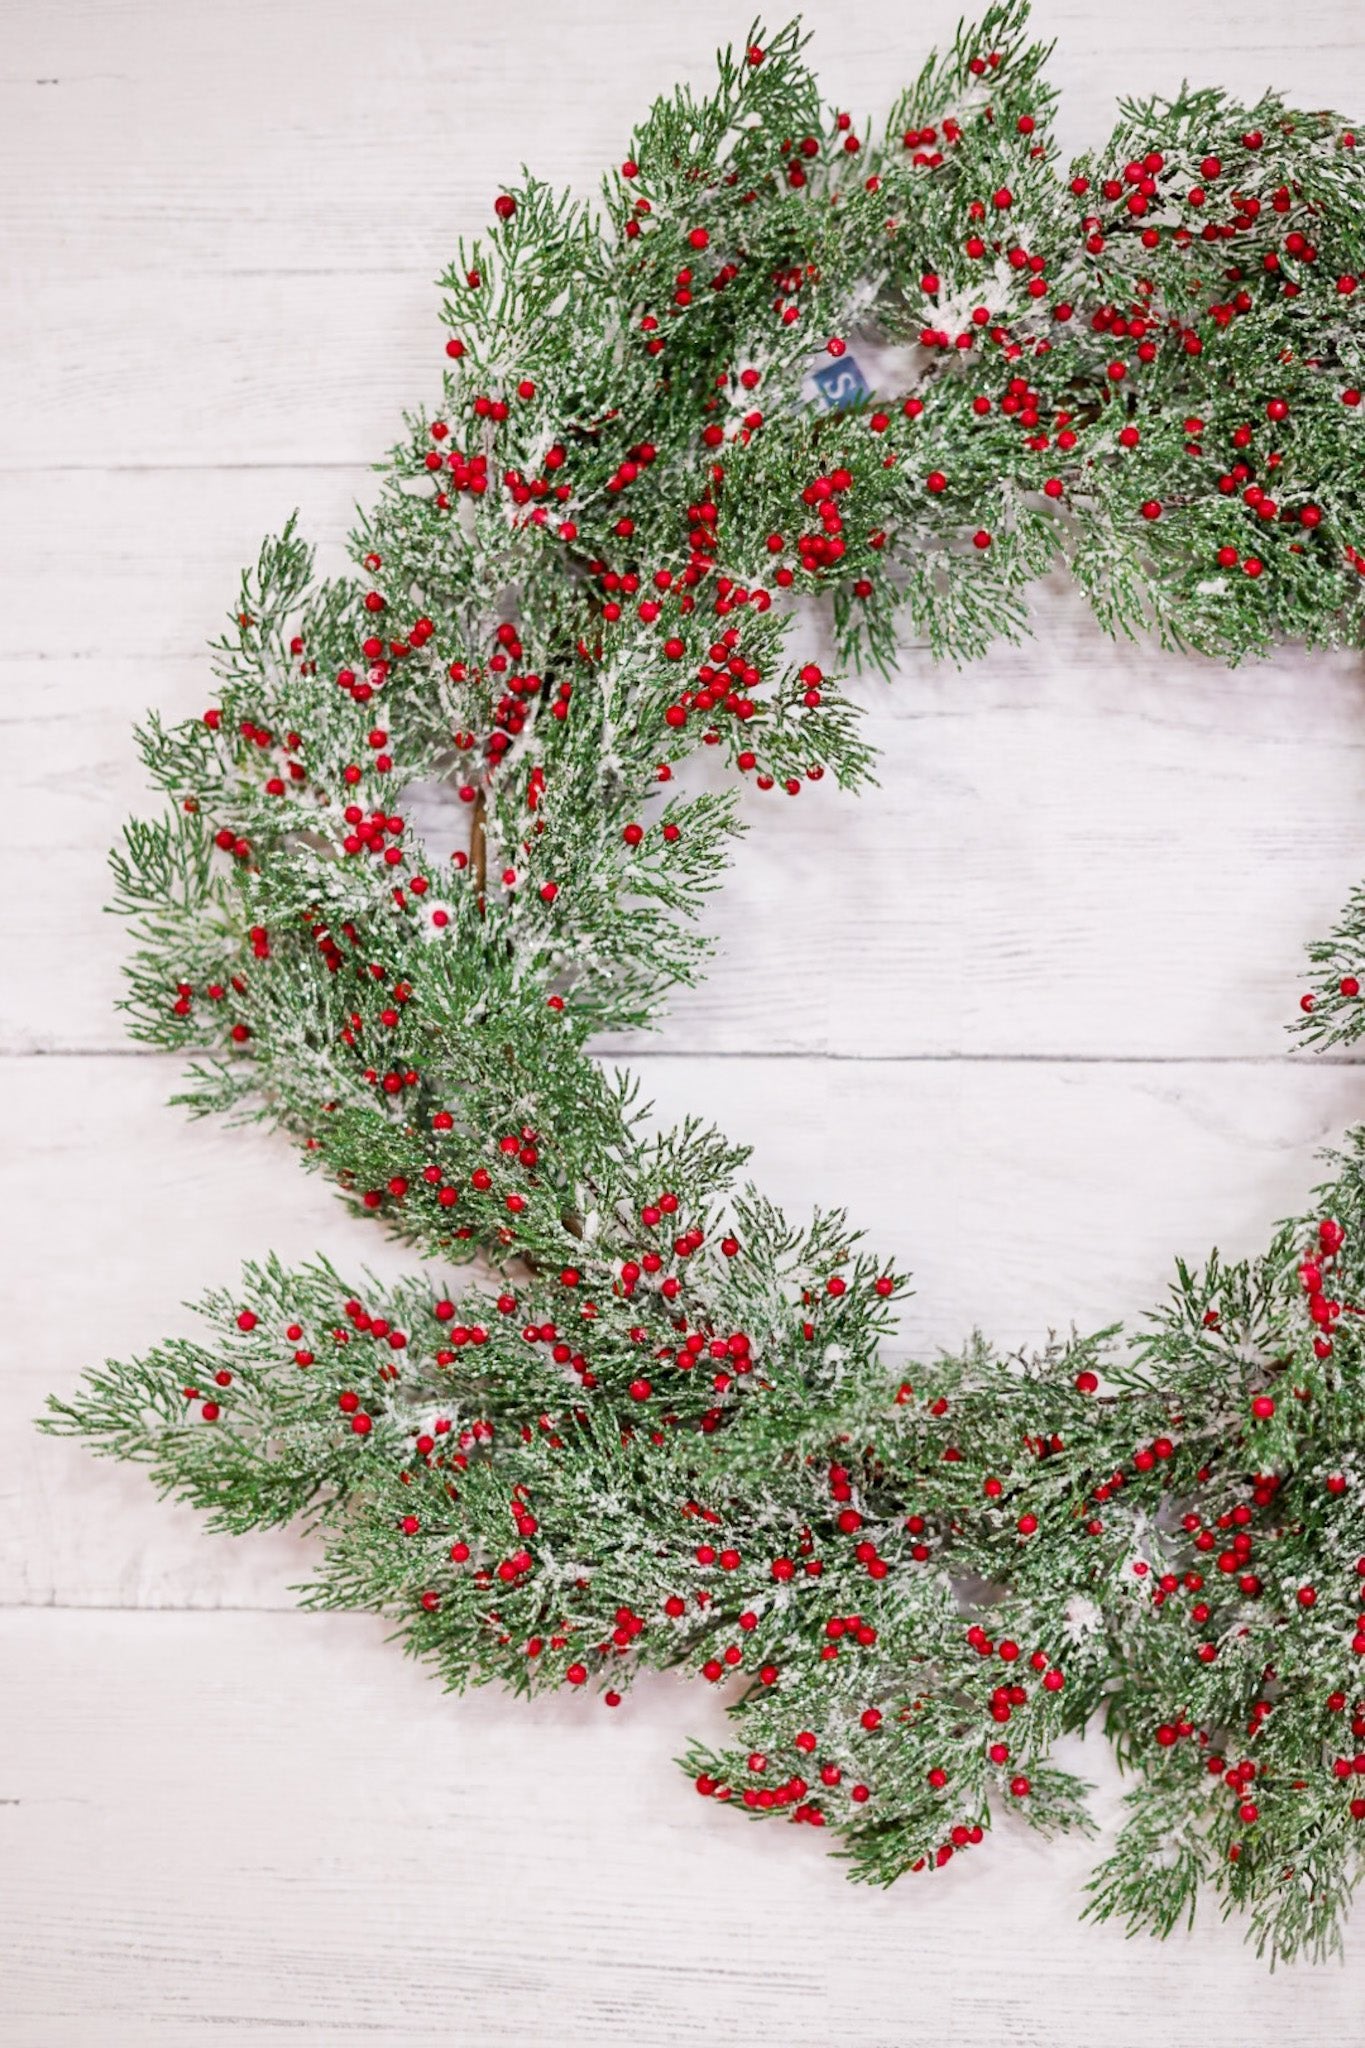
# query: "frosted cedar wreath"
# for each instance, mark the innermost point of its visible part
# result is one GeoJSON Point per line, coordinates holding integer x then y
{"type": "Point", "coordinates": [659, 1430]}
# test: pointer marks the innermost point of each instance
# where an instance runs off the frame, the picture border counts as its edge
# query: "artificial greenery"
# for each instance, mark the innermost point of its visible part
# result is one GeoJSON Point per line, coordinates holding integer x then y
{"type": "Point", "coordinates": [659, 1428]}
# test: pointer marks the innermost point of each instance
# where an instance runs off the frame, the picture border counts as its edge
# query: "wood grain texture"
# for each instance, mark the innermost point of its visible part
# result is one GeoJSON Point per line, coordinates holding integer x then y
{"type": "Point", "coordinates": [1072, 850]}
{"type": "Point", "coordinates": [1022, 1196]}
{"type": "Point", "coordinates": [274, 1830]}
{"type": "Point", "coordinates": [1020, 1008]}
{"type": "Point", "coordinates": [226, 217]}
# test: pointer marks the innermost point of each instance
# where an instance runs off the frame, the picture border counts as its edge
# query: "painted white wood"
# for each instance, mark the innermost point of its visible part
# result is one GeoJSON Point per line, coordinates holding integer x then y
{"type": "Point", "coordinates": [1072, 849]}
{"type": "Point", "coordinates": [271, 1829]}
{"type": "Point", "coordinates": [321, 103]}
{"type": "Point", "coordinates": [226, 217]}
{"type": "Point", "coordinates": [1021, 1196]}
{"type": "Point", "coordinates": [1020, 1008]}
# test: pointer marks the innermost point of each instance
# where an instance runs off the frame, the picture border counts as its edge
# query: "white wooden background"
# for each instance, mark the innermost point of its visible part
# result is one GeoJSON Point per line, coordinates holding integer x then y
{"type": "Point", "coordinates": [1021, 1009]}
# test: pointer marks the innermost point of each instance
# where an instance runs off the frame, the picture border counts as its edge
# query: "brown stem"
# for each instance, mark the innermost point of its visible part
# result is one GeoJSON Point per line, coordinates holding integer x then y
{"type": "Point", "coordinates": [478, 842]}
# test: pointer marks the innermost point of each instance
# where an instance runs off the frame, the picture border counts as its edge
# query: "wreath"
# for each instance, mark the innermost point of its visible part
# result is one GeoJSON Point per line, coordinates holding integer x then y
{"type": "Point", "coordinates": [659, 1429]}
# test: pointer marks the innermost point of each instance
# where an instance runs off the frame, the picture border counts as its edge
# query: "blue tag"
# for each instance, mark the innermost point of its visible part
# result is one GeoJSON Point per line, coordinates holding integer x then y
{"type": "Point", "coordinates": [840, 384]}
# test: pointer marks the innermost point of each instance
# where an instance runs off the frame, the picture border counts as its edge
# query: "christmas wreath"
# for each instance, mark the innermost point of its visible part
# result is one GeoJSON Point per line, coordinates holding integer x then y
{"type": "Point", "coordinates": [660, 1429]}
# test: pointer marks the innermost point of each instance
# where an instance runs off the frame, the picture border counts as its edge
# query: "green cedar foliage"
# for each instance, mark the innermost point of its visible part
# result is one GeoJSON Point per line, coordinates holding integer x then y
{"type": "Point", "coordinates": [660, 1427]}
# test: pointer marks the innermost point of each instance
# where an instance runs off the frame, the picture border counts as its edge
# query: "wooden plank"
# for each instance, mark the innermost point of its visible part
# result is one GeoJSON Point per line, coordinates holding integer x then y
{"type": "Point", "coordinates": [1021, 1194]}
{"type": "Point", "coordinates": [386, 145]}
{"type": "Point", "coordinates": [273, 1829]}
{"type": "Point", "coordinates": [105, 171]}
{"type": "Point", "coordinates": [142, 565]}
{"type": "Point", "coordinates": [223, 222]}
{"type": "Point", "coordinates": [180, 308]}
{"type": "Point", "coordinates": [1074, 849]}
